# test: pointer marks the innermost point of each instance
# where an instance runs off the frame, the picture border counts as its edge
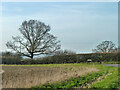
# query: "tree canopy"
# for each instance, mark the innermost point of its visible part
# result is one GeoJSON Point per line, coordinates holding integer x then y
{"type": "Point", "coordinates": [35, 39]}
{"type": "Point", "coordinates": [105, 47]}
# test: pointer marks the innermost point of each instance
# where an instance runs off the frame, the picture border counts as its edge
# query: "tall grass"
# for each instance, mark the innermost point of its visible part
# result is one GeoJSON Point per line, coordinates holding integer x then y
{"type": "Point", "coordinates": [26, 76]}
{"type": "Point", "coordinates": [110, 81]}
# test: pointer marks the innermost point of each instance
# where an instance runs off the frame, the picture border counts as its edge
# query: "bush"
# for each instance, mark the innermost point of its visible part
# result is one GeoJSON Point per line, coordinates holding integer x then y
{"type": "Point", "coordinates": [10, 58]}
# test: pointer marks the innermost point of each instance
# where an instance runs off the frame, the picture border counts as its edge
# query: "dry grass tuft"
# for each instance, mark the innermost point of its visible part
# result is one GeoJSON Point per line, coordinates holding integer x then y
{"type": "Point", "coordinates": [28, 76]}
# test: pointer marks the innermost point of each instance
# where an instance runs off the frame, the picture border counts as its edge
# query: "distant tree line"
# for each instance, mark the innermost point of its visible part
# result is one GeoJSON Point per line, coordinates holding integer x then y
{"type": "Point", "coordinates": [10, 58]}
{"type": "Point", "coordinates": [104, 52]}
{"type": "Point", "coordinates": [16, 58]}
{"type": "Point", "coordinates": [60, 59]}
{"type": "Point", "coordinates": [75, 58]}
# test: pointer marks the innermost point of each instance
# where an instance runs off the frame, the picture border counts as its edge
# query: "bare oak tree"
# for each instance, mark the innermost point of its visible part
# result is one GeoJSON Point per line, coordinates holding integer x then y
{"type": "Point", "coordinates": [105, 47]}
{"type": "Point", "coordinates": [35, 39]}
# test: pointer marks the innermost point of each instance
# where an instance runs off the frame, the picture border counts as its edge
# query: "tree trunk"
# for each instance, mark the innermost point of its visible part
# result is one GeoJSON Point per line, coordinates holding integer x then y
{"type": "Point", "coordinates": [31, 55]}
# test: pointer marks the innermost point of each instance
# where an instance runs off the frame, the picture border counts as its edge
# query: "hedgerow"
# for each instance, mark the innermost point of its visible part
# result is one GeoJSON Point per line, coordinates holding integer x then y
{"type": "Point", "coordinates": [60, 59]}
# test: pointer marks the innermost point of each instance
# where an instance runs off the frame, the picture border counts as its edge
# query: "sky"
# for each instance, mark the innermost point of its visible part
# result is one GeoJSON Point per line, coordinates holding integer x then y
{"type": "Point", "coordinates": [80, 26]}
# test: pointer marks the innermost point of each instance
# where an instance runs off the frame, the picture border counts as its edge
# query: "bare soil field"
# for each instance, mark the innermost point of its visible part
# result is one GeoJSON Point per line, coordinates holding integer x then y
{"type": "Point", "coordinates": [28, 76]}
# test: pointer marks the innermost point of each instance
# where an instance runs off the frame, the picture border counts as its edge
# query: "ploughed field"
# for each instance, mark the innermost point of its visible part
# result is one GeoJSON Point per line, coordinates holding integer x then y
{"type": "Point", "coordinates": [27, 76]}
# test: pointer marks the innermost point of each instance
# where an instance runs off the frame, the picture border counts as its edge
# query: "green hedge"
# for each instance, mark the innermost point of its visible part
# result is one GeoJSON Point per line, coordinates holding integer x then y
{"type": "Point", "coordinates": [76, 58]}
{"type": "Point", "coordinates": [11, 59]}
{"type": "Point", "coordinates": [59, 59]}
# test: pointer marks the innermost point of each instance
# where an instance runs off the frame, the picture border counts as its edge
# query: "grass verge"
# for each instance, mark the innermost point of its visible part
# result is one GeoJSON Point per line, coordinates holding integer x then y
{"type": "Point", "coordinates": [110, 81]}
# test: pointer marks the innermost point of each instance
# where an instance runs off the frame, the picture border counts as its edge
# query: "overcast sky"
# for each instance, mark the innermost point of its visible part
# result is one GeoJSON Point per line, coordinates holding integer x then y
{"type": "Point", "coordinates": [79, 26]}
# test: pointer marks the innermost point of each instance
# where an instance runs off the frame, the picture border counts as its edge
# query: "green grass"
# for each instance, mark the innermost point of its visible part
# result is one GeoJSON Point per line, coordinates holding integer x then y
{"type": "Point", "coordinates": [111, 81]}
{"type": "Point", "coordinates": [55, 65]}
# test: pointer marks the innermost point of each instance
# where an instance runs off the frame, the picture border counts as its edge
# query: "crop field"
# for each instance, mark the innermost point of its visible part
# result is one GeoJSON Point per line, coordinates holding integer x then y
{"type": "Point", "coordinates": [59, 76]}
